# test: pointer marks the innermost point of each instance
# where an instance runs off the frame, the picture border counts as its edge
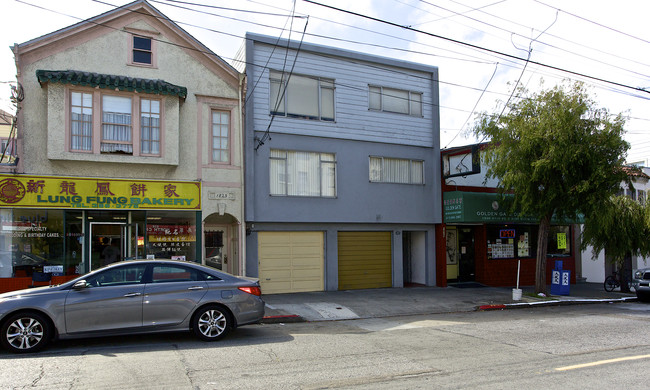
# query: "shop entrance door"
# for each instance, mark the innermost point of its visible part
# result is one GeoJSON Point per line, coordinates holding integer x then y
{"type": "Point", "coordinates": [111, 242]}
{"type": "Point", "coordinates": [466, 263]}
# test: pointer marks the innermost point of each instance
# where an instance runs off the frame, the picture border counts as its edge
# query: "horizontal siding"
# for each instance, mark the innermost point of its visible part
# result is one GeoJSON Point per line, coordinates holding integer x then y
{"type": "Point", "coordinates": [364, 260]}
{"type": "Point", "coordinates": [353, 119]}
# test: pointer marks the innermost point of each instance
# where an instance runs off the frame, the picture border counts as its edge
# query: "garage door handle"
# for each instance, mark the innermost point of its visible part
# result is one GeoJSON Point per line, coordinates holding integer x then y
{"type": "Point", "coordinates": [134, 294]}
{"type": "Point", "coordinates": [196, 288]}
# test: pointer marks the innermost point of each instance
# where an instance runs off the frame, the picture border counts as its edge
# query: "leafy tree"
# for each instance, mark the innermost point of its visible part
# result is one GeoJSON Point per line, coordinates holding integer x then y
{"type": "Point", "coordinates": [559, 155]}
{"type": "Point", "coordinates": [621, 228]}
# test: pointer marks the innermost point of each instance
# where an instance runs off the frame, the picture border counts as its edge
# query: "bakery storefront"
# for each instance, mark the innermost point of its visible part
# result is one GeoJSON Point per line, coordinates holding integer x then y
{"type": "Point", "coordinates": [485, 243]}
{"type": "Point", "coordinates": [55, 228]}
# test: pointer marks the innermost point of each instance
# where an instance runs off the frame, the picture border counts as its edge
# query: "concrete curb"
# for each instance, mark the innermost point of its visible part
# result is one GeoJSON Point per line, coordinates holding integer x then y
{"type": "Point", "coordinates": [290, 318]}
{"type": "Point", "coordinates": [294, 318]}
{"type": "Point", "coordinates": [556, 302]}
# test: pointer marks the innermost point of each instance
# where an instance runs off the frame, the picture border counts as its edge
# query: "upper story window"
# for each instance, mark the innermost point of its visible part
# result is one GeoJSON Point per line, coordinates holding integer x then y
{"type": "Point", "coordinates": [81, 121]}
{"type": "Point", "coordinates": [396, 170]}
{"type": "Point", "coordinates": [301, 96]}
{"type": "Point", "coordinates": [150, 127]}
{"type": "Point", "coordinates": [142, 50]}
{"type": "Point", "coordinates": [116, 125]}
{"type": "Point", "coordinates": [295, 173]}
{"type": "Point", "coordinates": [220, 136]}
{"type": "Point", "coordinates": [128, 125]}
{"type": "Point", "coordinates": [395, 100]}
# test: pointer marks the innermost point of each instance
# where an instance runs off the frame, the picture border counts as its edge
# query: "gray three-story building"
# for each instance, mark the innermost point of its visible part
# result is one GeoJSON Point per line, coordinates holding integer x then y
{"type": "Point", "coordinates": [342, 168]}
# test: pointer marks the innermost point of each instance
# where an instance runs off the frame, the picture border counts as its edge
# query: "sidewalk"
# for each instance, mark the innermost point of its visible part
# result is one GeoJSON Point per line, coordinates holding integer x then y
{"type": "Point", "coordinates": [387, 302]}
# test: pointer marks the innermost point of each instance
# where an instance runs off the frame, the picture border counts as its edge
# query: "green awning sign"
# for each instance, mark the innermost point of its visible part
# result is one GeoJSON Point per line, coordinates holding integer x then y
{"type": "Point", "coordinates": [481, 207]}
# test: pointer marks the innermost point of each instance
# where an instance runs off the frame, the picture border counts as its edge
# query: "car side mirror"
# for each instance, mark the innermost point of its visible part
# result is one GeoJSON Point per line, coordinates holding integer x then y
{"type": "Point", "coordinates": [81, 284]}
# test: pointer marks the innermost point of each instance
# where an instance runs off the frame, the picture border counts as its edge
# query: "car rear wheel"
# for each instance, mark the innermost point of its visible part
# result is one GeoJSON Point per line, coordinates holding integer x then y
{"type": "Point", "coordinates": [25, 332]}
{"type": "Point", "coordinates": [211, 323]}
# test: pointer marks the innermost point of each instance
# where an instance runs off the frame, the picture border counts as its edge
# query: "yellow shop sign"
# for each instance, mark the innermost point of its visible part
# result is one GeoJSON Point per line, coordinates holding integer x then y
{"type": "Point", "coordinates": [97, 193]}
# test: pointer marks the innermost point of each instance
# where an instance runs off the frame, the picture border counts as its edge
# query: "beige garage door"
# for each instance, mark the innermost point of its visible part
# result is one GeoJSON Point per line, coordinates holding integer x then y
{"type": "Point", "coordinates": [291, 261]}
{"type": "Point", "coordinates": [364, 260]}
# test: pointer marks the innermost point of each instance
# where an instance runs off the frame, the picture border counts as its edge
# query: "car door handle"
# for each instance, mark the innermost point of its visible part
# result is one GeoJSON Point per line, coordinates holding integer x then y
{"type": "Point", "coordinates": [133, 294]}
{"type": "Point", "coordinates": [196, 288]}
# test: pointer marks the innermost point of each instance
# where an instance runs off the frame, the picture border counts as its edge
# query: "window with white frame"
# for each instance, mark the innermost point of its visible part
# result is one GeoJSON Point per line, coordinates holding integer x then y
{"type": "Point", "coordinates": [395, 100]}
{"type": "Point", "coordinates": [123, 120]}
{"type": "Point", "coordinates": [301, 96]}
{"type": "Point", "coordinates": [220, 136]}
{"type": "Point", "coordinates": [81, 121]}
{"type": "Point", "coordinates": [294, 173]}
{"type": "Point", "coordinates": [396, 170]}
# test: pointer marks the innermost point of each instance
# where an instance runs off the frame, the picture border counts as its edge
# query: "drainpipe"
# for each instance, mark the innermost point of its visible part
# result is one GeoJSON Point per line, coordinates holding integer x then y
{"type": "Point", "coordinates": [242, 222]}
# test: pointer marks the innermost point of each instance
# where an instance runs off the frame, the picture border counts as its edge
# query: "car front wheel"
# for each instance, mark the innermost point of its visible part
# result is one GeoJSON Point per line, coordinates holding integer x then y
{"type": "Point", "coordinates": [25, 332]}
{"type": "Point", "coordinates": [211, 323]}
{"type": "Point", "coordinates": [643, 296]}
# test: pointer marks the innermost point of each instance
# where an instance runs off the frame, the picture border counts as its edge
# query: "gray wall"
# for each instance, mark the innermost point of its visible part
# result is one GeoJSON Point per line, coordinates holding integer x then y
{"type": "Point", "coordinates": [356, 134]}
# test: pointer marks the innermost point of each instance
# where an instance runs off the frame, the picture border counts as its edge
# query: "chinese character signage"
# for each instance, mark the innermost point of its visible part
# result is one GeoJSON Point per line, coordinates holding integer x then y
{"type": "Point", "coordinates": [94, 193]}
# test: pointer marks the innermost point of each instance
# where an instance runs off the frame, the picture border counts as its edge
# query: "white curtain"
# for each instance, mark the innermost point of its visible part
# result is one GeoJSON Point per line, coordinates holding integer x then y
{"type": "Point", "coordinates": [116, 124]}
{"type": "Point", "coordinates": [149, 126]}
{"type": "Point", "coordinates": [277, 166]}
{"type": "Point", "coordinates": [302, 173]}
{"type": "Point", "coordinates": [81, 123]}
{"type": "Point", "coordinates": [395, 170]}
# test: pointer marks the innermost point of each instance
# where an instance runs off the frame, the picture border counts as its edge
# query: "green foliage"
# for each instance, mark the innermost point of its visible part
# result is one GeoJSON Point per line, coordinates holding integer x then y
{"type": "Point", "coordinates": [558, 154]}
{"type": "Point", "coordinates": [555, 151]}
{"type": "Point", "coordinates": [620, 227]}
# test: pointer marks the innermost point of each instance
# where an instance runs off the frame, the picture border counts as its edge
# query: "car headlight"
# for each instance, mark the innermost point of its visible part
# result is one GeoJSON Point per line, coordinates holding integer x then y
{"type": "Point", "coordinates": [638, 275]}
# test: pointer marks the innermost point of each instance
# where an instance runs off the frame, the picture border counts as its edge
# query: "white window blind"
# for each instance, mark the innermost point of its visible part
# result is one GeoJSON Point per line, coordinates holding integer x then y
{"type": "Point", "coordinates": [296, 173]}
{"type": "Point", "coordinates": [395, 170]}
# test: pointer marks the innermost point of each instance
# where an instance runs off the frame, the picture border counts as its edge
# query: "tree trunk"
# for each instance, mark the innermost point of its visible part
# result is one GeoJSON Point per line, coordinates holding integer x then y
{"type": "Point", "coordinates": [625, 273]}
{"type": "Point", "coordinates": [542, 248]}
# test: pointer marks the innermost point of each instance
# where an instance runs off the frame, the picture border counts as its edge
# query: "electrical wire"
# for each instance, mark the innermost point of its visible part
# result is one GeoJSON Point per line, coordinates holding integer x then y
{"type": "Point", "coordinates": [477, 47]}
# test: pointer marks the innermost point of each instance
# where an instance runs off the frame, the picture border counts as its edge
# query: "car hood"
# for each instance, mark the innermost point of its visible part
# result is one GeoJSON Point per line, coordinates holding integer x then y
{"type": "Point", "coordinates": [28, 291]}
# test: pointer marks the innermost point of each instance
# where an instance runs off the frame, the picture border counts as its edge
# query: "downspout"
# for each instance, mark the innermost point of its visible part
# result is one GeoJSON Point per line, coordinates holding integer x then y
{"type": "Point", "coordinates": [242, 221]}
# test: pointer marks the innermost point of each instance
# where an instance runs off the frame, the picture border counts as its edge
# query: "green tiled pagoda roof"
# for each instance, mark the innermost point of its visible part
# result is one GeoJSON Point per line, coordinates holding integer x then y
{"type": "Point", "coordinates": [107, 81]}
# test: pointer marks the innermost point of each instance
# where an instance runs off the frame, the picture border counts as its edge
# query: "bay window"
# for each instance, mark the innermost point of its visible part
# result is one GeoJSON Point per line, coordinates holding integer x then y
{"type": "Point", "coordinates": [129, 125]}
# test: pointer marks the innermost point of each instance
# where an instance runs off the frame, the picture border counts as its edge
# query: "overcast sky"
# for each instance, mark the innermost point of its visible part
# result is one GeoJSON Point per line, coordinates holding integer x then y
{"type": "Point", "coordinates": [606, 41]}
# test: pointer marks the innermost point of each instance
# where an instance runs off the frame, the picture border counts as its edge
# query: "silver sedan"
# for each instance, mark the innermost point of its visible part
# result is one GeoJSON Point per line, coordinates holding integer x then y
{"type": "Point", "coordinates": [141, 296]}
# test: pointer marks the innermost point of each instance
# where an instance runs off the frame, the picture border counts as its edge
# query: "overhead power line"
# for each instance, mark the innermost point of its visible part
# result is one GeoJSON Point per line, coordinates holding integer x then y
{"type": "Point", "coordinates": [477, 47]}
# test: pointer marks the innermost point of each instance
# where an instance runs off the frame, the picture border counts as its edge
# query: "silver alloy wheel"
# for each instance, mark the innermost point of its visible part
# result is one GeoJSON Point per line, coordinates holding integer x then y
{"type": "Point", "coordinates": [212, 323]}
{"type": "Point", "coordinates": [25, 333]}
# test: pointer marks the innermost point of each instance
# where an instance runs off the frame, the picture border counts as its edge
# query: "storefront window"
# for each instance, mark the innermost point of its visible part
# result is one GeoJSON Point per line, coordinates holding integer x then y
{"type": "Point", "coordinates": [31, 241]}
{"type": "Point", "coordinates": [171, 235]}
{"type": "Point", "coordinates": [520, 241]}
{"type": "Point", "coordinates": [74, 239]}
{"type": "Point", "coordinates": [559, 241]}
